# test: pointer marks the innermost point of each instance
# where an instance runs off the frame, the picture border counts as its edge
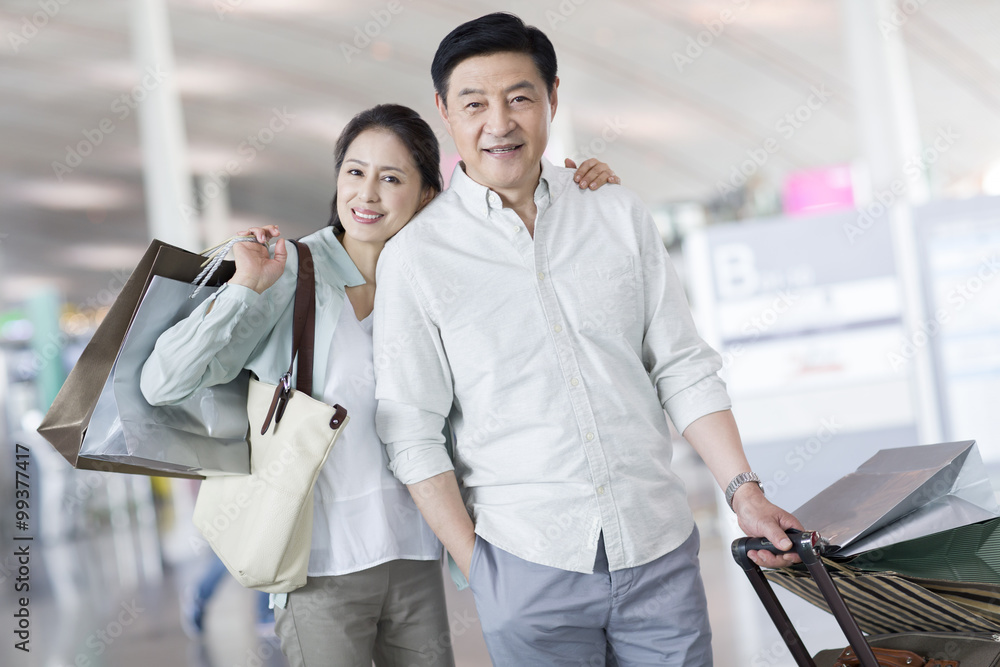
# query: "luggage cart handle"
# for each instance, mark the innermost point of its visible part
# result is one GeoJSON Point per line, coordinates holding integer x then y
{"type": "Point", "coordinates": [809, 546]}
{"type": "Point", "coordinates": [806, 544]}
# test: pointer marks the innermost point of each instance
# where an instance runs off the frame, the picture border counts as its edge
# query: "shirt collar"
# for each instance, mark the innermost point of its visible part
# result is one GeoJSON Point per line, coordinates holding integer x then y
{"type": "Point", "coordinates": [481, 199]}
{"type": "Point", "coordinates": [336, 265]}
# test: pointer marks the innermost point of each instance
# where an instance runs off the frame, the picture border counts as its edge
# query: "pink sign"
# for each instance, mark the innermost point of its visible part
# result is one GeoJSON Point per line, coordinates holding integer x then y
{"type": "Point", "coordinates": [818, 191]}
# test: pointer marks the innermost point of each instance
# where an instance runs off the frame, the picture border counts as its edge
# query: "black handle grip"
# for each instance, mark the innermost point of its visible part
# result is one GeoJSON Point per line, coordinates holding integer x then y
{"type": "Point", "coordinates": [764, 544]}
{"type": "Point", "coordinates": [807, 544]}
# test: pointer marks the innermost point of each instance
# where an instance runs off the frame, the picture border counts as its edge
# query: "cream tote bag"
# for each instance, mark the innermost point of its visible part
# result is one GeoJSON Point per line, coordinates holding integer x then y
{"type": "Point", "coordinates": [260, 525]}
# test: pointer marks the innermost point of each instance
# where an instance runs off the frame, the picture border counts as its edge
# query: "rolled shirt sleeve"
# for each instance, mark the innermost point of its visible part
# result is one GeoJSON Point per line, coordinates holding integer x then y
{"type": "Point", "coordinates": [413, 379]}
{"type": "Point", "coordinates": [682, 366]}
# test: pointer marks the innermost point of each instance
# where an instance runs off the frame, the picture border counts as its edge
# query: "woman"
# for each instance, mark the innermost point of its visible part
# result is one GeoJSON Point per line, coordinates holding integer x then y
{"type": "Point", "coordinates": [375, 588]}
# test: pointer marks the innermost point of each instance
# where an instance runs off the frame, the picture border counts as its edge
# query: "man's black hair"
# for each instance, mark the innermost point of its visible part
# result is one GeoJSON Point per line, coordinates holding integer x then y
{"type": "Point", "coordinates": [500, 32]}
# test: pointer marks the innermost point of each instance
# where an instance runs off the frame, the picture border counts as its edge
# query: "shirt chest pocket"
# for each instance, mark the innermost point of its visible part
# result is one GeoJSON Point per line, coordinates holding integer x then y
{"type": "Point", "coordinates": [608, 293]}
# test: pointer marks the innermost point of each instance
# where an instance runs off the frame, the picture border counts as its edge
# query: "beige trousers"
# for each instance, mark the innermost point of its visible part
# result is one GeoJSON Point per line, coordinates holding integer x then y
{"type": "Point", "coordinates": [393, 613]}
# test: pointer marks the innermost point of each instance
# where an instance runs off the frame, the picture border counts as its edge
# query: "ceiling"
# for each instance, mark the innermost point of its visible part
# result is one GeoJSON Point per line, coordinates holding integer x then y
{"type": "Point", "coordinates": [675, 131]}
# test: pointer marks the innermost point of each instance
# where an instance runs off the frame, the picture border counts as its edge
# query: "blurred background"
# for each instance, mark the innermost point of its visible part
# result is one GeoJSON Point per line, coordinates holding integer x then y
{"type": "Point", "coordinates": [825, 174]}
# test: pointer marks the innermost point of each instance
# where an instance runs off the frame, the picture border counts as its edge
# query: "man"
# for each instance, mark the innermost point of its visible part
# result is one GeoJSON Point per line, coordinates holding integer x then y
{"type": "Point", "coordinates": [547, 324]}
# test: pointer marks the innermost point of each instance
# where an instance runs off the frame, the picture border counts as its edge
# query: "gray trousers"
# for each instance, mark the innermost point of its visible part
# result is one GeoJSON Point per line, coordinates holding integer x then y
{"type": "Point", "coordinates": [654, 614]}
{"type": "Point", "coordinates": [393, 613]}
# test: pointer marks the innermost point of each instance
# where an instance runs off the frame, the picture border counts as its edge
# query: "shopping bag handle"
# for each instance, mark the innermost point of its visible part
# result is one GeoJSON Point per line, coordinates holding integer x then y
{"type": "Point", "coordinates": [215, 255]}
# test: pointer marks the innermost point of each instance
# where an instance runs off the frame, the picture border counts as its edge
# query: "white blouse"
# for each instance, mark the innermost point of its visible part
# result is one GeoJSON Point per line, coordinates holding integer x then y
{"type": "Point", "coordinates": [363, 516]}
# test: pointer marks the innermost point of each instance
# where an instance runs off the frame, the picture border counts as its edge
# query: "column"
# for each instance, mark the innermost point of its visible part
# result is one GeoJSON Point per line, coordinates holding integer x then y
{"type": "Point", "coordinates": [889, 136]}
{"type": "Point", "coordinates": [167, 178]}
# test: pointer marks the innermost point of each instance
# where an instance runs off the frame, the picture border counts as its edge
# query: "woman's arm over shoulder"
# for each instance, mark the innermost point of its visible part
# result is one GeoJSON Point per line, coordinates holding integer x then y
{"type": "Point", "coordinates": [593, 173]}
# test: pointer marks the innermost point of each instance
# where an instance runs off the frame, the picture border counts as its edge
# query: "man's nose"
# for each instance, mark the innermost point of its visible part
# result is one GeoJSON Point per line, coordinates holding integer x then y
{"type": "Point", "coordinates": [499, 122]}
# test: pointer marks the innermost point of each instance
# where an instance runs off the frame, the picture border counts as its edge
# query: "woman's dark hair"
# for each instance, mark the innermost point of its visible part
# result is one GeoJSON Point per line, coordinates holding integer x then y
{"type": "Point", "coordinates": [410, 128]}
{"type": "Point", "coordinates": [494, 33]}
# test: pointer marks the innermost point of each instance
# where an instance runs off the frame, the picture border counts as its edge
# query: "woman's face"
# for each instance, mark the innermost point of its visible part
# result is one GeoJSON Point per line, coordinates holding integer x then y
{"type": "Point", "coordinates": [378, 188]}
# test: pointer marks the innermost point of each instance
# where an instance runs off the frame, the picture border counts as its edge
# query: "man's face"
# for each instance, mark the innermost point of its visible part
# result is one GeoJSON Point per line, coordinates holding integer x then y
{"type": "Point", "coordinates": [498, 112]}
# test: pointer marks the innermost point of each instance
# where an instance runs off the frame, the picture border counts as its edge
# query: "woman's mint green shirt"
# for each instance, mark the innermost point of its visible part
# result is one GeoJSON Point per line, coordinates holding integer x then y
{"type": "Point", "coordinates": [244, 329]}
{"type": "Point", "coordinates": [238, 328]}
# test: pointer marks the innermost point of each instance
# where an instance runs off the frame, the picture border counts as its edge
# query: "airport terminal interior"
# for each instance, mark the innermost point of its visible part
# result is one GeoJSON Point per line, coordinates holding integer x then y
{"type": "Point", "coordinates": [825, 175]}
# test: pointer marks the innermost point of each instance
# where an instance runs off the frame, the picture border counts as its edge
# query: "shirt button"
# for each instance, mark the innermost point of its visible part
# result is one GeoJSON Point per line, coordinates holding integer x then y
{"type": "Point", "coordinates": [518, 228]}
{"type": "Point", "coordinates": [574, 382]}
{"type": "Point", "coordinates": [541, 276]}
{"type": "Point", "coordinates": [557, 328]}
{"type": "Point", "coordinates": [590, 436]}
{"type": "Point", "coordinates": [600, 490]}
{"type": "Point", "coordinates": [494, 200]}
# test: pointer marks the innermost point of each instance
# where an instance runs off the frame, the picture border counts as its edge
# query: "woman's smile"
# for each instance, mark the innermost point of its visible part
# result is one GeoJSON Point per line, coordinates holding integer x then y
{"type": "Point", "coordinates": [366, 216]}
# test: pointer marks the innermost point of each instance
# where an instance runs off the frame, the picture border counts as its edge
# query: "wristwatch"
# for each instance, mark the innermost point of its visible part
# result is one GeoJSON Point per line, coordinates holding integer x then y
{"type": "Point", "coordinates": [739, 481]}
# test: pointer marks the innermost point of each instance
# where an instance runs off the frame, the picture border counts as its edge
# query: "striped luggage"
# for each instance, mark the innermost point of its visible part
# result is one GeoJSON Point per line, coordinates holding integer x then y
{"type": "Point", "coordinates": [955, 624]}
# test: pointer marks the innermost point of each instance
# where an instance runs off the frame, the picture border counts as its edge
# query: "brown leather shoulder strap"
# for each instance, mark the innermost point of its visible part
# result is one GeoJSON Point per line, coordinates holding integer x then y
{"type": "Point", "coordinates": [304, 320]}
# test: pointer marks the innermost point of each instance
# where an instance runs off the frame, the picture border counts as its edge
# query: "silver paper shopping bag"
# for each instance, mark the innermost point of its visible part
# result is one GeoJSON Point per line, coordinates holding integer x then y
{"type": "Point", "coordinates": [205, 434]}
{"type": "Point", "coordinates": [901, 494]}
{"type": "Point", "coordinates": [68, 419]}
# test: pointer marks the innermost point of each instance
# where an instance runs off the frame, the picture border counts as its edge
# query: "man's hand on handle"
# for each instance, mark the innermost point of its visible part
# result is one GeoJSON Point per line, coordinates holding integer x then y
{"type": "Point", "coordinates": [759, 517]}
{"type": "Point", "coordinates": [717, 440]}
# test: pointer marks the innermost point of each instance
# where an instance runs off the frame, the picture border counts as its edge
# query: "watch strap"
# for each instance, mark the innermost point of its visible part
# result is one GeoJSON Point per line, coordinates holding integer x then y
{"type": "Point", "coordinates": [738, 481]}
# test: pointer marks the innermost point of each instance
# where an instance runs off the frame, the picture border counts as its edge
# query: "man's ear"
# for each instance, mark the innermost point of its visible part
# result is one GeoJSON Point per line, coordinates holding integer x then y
{"type": "Point", "coordinates": [554, 98]}
{"type": "Point", "coordinates": [443, 111]}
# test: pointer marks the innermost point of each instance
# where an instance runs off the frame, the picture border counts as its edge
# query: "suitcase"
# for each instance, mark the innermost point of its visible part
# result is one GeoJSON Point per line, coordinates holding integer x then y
{"type": "Point", "coordinates": [897, 650]}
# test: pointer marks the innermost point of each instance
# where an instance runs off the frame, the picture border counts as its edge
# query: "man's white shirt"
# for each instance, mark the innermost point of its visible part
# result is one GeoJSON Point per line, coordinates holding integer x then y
{"type": "Point", "coordinates": [554, 358]}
